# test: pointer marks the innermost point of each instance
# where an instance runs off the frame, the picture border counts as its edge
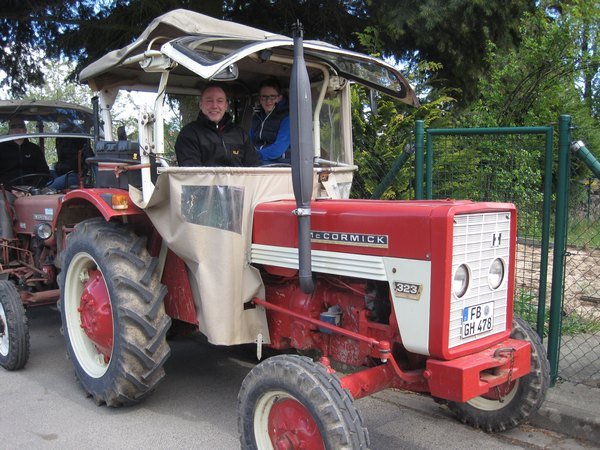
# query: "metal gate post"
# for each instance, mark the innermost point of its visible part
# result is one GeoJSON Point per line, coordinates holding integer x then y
{"type": "Point", "coordinates": [419, 130]}
{"type": "Point", "coordinates": [556, 296]}
{"type": "Point", "coordinates": [541, 314]}
{"type": "Point", "coordinates": [393, 172]}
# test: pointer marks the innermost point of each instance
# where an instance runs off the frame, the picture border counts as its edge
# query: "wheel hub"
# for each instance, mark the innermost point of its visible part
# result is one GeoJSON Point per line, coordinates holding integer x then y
{"type": "Point", "coordinates": [96, 314]}
{"type": "Point", "coordinates": [291, 426]}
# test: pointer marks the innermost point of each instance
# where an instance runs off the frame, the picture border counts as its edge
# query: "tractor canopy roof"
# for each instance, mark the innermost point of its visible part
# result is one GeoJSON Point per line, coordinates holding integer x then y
{"type": "Point", "coordinates": [46, 111]}
{"type": "Point", "coordinates": [198, 48]}
{"type": "Point", "coordinates": [50, 118]}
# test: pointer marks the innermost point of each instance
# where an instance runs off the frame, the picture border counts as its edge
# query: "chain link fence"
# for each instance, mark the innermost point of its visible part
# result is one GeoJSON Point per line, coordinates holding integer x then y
{"type": "Point", "coordinates": [500, 168]}
{"type": "Point", "coordinates": [580, 336]}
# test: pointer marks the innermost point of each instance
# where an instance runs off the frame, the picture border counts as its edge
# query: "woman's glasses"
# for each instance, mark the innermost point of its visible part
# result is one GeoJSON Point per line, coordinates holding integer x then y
{"type": "Point", "coordinates": [266, 98]}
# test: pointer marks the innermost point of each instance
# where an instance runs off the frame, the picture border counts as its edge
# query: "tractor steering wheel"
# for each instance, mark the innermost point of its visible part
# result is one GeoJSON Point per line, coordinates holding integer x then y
{"type": "Point", "coordinates": [39, 180]}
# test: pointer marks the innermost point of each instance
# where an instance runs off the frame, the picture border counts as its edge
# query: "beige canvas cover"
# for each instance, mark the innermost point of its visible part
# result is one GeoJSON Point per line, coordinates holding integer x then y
{"type": "Point", "coordinates": [205, 216]}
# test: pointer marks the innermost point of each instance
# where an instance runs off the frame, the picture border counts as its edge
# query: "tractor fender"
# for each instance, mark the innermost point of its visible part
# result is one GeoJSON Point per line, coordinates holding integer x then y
{"type": "Point", "coordinates": [81, 204]}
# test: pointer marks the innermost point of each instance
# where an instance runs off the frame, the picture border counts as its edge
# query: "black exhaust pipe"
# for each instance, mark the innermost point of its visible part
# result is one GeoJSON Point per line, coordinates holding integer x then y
{"type": "Point", "coordinates": [96, 110]}
{"type": "Point", "coordinates": [302, 155]}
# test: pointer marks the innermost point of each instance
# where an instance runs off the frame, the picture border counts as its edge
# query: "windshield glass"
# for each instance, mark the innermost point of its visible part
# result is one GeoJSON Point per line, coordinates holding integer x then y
{"type": "Point", "coordinates": [209, 51]}
{"type": "Point", "coordinates": [213, 51]}
{"type": "Point", "coordinates": [331, 142]}
{"type": "Point", "coordinates": [362, 69]}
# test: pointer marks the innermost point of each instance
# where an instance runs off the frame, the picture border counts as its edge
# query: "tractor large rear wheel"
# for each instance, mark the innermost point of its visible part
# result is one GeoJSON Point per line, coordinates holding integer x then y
{"type": "Point", "coordinates": [292, 402]}
{"type": "Point", "coordinates": [508, 406]}
{"type": "Point", "coordinates": [112, 312]}
{"type": "Point", "coordinates": [14, 332]}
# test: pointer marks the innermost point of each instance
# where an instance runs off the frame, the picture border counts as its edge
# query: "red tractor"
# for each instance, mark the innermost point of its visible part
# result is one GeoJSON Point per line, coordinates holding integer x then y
{"type": "Point", "coordinates": [27, 210]}
{"type": "Point", "coordinates": [416, 295]}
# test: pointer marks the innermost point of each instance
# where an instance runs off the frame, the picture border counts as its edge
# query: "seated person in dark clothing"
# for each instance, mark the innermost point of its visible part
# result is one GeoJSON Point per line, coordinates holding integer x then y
{"type": "Point", "coordinates": [270, 131]}
{"type": "Point", "coordinates": [69, 152]}
{"type": "Point", "coordinates": [20, 157]}
{"type": "Point", "coordinates": [213, 139]}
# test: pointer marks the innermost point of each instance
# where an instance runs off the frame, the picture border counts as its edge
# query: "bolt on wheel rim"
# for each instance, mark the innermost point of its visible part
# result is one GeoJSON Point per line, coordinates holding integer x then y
{"type": "Point", "coordinates": [495, 402]}
{"type": "Point", "coordinates": [282, 422]}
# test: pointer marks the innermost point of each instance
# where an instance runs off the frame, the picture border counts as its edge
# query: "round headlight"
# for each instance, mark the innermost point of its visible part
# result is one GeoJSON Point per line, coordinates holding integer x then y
{"type": "Point", "coordinates": [43, 230]}
{"type": "Point", "coordinates": [460, 282]}
{"type": "Point", "coordinates": [496, 273]}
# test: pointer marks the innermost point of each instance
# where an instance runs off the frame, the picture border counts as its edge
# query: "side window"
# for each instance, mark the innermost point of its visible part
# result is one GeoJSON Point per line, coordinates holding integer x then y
{"type": "Point", "coordinates": [330, 128]}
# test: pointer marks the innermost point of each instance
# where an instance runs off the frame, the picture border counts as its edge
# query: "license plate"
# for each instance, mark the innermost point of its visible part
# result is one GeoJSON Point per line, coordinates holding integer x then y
{"type": "Point", "coordinates": [477, 319]}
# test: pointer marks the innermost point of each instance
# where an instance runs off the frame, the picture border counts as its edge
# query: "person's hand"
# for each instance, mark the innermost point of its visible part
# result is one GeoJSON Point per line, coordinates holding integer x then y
{"type": "Point", "coordinates": [17, 193]}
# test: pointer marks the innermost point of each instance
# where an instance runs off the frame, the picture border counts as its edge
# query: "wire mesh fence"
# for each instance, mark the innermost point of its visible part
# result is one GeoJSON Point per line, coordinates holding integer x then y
{"type": "Point", "coordinates": [580, 334]}
{"type": "Point", "coordinates": [504, 168]}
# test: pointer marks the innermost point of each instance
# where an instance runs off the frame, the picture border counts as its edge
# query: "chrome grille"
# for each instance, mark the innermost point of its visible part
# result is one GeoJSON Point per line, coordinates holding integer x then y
{"type": "Point", "coordinates": [477, 240]}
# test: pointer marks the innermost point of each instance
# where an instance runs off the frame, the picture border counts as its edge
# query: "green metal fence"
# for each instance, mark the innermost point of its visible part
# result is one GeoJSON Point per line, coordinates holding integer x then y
{"type": "Point", "coordinates": [507, 165]}
{"type": "Point", "coordinates": [580, 312]}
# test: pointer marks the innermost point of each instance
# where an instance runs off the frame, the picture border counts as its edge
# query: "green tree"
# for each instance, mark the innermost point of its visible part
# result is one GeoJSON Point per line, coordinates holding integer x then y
{"type": "Point", "coordinates": [547, 75]}
{"type": "Point", "coordinates": [381, 134]}
{"type": "Point", "coordinates": [450, 32]}
{"type": "Point", "coordinates": [84, 30]}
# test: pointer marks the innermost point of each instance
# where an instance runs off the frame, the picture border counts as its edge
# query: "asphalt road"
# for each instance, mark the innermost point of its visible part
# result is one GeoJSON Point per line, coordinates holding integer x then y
{"type": "Point", "coordinates": [43, 406]}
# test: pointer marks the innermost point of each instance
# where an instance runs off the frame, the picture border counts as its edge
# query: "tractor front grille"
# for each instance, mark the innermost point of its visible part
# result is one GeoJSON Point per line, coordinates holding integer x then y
{"type": "Point", "coordinates": [478, 239]}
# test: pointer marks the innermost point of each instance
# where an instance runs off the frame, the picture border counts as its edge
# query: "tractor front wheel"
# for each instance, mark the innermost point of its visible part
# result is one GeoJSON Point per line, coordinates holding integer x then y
{"type": "Point", "coordinates": [508, 406]}
{"type": "Point", "coordinates": [292, 402]}
{"type": "Point", "coordinates": [112, 312]}
{"type": "Point", "coordinates": [14, 332]}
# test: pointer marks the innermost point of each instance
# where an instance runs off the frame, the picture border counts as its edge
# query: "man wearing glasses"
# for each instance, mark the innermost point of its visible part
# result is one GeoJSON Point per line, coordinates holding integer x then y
{"type": "Point", "coordinates": [213, 139]}
{"type": "Point", "coordinates": [270, 131]}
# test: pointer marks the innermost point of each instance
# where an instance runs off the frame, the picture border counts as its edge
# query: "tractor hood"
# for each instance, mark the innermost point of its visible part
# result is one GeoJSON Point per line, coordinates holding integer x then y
{"type": "Point", "coordinates": [193, 45]}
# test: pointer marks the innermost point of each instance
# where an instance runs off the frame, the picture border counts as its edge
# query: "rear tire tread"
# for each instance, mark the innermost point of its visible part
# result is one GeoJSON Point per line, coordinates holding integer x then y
{"type": "Point", "coordinates": [141, 322]}
{"type": "Point", "coordinates": [17, 327]}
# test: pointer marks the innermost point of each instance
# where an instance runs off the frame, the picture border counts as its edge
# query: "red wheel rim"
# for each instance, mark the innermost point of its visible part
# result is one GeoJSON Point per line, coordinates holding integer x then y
{"type": "Point", "coordinates": [96, 313]}
{"type": "Point", "coordinates": [291, 426]}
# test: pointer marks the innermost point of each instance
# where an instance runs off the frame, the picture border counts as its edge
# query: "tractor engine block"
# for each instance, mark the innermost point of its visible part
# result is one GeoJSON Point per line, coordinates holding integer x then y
{"type": "Point", "coordinates": [354, 305]}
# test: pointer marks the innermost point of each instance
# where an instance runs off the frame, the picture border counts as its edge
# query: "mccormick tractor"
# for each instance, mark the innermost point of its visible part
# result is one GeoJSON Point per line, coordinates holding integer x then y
{"type": "Point", "coordinates": [415, 295]}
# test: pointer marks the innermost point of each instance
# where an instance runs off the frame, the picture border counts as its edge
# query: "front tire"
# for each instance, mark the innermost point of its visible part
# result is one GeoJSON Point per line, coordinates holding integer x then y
{"type": "Point", "coordinates": [112, 311]}
{"type": "Point", "coordinates": [292, 402]}
{"type": "Point", "coordinates": [522, 399]}
{"type": "Point", "coordinates": [14, 330]}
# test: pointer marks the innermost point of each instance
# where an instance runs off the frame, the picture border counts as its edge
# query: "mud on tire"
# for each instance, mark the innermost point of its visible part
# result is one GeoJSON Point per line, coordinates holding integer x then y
{"type": "Point", "coordinates": [525, 397]}
{"type": "Point", "coordinates": [305, 386]}
{"type": "Point", "coordinates": [14, 330]}
{"type": "Point", "coordinates": [133, 366]}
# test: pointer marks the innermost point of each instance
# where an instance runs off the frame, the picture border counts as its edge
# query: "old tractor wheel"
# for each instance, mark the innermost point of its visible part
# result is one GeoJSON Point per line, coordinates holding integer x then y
{"type": "Point", "coordinates": [292, 402]}
{"type": "Point", "coordinates": [507, 406]}
{"type": "Point", "coordinates": [112, 312]}
{"type": "Point", "coordinates": [14, 332]}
